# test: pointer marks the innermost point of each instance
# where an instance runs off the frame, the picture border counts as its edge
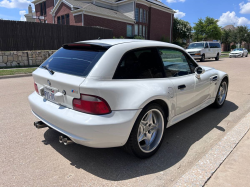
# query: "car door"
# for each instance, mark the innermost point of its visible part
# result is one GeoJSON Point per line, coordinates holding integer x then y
{"type": "Point", "coordinates": [179, 68]}
{"type": "Point", "coordinates": [207, 50]}
{"type": "Point", "coordinates": [211, 50]}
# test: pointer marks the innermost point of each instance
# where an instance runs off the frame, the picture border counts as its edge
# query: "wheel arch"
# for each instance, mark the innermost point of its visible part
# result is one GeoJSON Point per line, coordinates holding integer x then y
{"type": "Point", "coordinates": [163, 105]}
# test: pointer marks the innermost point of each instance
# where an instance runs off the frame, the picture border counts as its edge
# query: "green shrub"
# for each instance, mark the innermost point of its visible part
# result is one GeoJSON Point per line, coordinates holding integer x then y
{"type": "Point", "coordinates": [165, 39]}
{"type": "Point", "coordinates": [233, 46]}
{"type": "Point", "coordinates": [139, 38]}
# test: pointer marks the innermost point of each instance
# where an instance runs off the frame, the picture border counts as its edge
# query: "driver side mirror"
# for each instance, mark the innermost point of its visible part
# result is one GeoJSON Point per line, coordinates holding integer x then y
{"type": "Point", "coordinates": [199, 71]}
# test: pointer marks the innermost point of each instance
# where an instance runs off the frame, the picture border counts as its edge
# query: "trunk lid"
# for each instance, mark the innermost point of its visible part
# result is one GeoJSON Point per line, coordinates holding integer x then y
{"type": "Point", "coordinates": [59, 82]}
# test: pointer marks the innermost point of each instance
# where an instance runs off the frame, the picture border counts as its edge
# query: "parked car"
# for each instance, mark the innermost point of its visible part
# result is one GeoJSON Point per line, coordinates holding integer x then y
{"type": "Point", "coordinates": [239, 52]}
{"type": "Point", "coordinates": [113, 93]}
{"type": "Point", "coordinates": [204, 50]}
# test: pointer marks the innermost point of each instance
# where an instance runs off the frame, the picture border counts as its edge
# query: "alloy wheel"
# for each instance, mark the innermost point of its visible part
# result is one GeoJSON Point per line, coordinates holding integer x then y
{"type": "Point", "coordinates": [150, 130]}
{"type": "Point", "coordinates": [222, 93]}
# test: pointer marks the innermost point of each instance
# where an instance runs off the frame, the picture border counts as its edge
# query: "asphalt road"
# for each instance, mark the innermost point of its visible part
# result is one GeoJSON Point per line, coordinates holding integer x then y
{"type": "Point", "coordinates": [31, 157]}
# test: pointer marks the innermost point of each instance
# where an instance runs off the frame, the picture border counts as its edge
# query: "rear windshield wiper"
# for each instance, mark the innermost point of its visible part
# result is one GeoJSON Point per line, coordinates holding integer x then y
{"type": "Point", "coordinates": [50, 70]}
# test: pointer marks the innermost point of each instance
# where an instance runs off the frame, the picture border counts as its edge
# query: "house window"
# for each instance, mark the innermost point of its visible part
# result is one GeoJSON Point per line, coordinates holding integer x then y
{"type": "Point", "coordinates": [140, 30]}
{"type": "Point", "coordinates": [59, 20]}
{"type": "Point", "coordinates": [63, 20]}
{"type": "Point", "coordinates": [67, 19]}
{"type": "Point", "coordinates": [137, 14]}
{"type": "Point", "coordinates": [144, 31]}
{"type": "Point", "coordinates": [129, 30]}
{"type": "Point", "coordinates": [141, 14]}
{"type": "Point", "coordinates": [147, 17]}
{"type": "Point", "coordinates": [144, 17]}
{"type": "Point", "coordinates": [43, 9]}
{"type": "Point", "coordinates": [136, 30]}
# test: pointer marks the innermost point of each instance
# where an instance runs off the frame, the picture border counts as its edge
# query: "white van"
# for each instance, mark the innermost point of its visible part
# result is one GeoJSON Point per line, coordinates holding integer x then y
{"type": "Point", "coordinates": [203, 50]}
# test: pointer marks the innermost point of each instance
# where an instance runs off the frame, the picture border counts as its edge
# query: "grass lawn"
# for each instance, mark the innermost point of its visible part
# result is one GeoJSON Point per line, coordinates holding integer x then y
{"type": "Point", "coordinates": [4, 72]}
{"type": "Point", "coordinates": [225, 54]}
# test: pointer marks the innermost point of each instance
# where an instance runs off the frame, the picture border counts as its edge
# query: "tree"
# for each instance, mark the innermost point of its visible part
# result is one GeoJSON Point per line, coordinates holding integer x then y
{"type": "Point", "coordinates": [241, 32]}
{"type": "Point", "coordinates": [182, 30]}
{"type": "Point", "coordinates": [225, 38]}
{"type": "Point", "coordinates": [233, 37]}
{"type": "Point", "coordinates": [248, 39]}
{"type": "Point", "coordinates": [207, 29]}
{"type": "Point", "coordinates": [199, 30]}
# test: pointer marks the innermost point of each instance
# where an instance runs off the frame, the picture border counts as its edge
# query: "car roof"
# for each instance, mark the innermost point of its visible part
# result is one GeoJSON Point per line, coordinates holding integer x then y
{"type": "Point", "coordinates": [115, 41]}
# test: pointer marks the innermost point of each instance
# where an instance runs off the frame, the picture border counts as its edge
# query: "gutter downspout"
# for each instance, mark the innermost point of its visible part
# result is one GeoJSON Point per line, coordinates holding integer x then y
{"type": "Point", "coordinates": [82, 20]}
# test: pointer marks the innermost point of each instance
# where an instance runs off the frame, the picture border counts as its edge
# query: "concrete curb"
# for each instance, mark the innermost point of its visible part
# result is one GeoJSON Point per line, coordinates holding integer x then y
{"type": "Point", "coordinates": [202, 171]}
{"type": "Point", "coordinates": [16, 76]}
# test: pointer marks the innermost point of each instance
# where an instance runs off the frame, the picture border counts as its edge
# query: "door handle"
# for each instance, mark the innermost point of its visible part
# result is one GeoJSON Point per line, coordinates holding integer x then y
{"type": "Point", "coordinates": [181, 86]}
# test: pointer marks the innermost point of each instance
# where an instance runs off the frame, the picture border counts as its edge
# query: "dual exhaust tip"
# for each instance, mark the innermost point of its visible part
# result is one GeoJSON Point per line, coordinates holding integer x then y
{"type": "Point", "coordinates": [62, 139]}
{"type": "Point", "coordinates": [65, 140]}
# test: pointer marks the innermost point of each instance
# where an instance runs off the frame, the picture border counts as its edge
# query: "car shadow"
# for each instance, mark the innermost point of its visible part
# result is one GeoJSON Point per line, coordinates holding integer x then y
{"type": "Point", "coordinates": [113, 163]}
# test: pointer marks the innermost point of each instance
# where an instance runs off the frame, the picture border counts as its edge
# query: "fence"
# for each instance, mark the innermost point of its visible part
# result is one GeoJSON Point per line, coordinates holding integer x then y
{"type": "Point", "coordinates": [23, 36]}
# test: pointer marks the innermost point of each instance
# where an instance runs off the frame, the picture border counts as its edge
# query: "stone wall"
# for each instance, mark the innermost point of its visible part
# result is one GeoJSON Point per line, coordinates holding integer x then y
{"type": "Point", "coordinates": [23, 58]}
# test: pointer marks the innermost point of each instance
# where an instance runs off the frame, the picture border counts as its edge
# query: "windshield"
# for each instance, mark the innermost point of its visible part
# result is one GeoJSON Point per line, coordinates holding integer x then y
{"type": "Point", "coordinates": [238, 49]}
{"type": "Point", "coordinates": [196, 46]}
{"type": "Point", "coordinates": [77, 62]}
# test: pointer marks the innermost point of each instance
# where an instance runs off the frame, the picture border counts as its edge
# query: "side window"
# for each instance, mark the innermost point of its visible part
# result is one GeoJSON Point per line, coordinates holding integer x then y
{"type": "Point", "coordinates": [206, 45]}
{"type": "Point", "coordinates": [139, 64]}
{"type": "Point", "coordinates": [176, 63]}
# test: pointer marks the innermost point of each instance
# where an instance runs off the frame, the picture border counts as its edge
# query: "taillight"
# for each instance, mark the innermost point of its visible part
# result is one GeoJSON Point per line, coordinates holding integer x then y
{"type": "Point", "coordinates": [91, 104]}
{"type": "Point", "coordinates": [36, 88]}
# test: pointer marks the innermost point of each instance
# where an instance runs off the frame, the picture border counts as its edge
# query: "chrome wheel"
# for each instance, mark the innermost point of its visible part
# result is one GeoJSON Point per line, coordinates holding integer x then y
{"type": "Point", "coordinates": [222, 93]}
{"type": "Point", "coordinates": [150, 130]}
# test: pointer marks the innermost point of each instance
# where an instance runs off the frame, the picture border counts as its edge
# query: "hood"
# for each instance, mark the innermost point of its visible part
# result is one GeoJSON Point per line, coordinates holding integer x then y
{"type": "Point", "coordinates": [193, 50]}
{"type": "Point", "coordinates": [236, 52]}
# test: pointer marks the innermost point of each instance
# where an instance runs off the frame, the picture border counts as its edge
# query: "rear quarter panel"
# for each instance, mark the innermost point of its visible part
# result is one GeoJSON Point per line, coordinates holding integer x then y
{"type": "Point", "coordinates": [131, 94]}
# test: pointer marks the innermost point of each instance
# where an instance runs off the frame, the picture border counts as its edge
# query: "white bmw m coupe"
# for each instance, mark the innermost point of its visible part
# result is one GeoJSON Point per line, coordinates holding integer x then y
{"type": "Point", "coordinates": [122, 92]}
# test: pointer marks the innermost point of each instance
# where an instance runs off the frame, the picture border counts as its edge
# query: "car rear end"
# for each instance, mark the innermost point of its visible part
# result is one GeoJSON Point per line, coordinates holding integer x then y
{"type": "Point", "coordinates": [60, 100]}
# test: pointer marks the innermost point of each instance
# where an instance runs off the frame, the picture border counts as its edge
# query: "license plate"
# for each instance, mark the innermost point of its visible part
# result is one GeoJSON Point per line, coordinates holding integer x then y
{"type": "Point", "coordinates": [49, 94]}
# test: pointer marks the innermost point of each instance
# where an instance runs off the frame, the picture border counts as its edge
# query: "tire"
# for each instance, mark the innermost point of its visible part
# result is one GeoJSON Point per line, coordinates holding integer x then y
{"type": "Point", "coordinates": [247, 55]}
{"type": "Point", "coordinates": [145, 138]}
{"type": "Point", "coordinates": [221, 94]}
{"type": "Point", "coordinates": [217, 57]}
{"type": "Point", "coordinates": [202, 58]}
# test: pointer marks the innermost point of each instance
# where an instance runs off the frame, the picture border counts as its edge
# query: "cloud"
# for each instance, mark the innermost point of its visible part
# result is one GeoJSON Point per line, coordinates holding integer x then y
{"type": "Point", "coordinates": [179, 14]}
{"type": "Point", "coordinates": [230, 18]}
{"type": "Point", "coordinates": [22, 13]}
{"type": "Point", "coordinates": [175, 1]}
{"type": "Point", "coordinates": [15, 3]}
{"type": "Point", "coordinates": [245, 8]}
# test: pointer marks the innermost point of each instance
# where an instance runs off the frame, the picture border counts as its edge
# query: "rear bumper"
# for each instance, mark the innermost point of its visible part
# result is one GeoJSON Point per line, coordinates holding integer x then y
{"type": "Point", "coordinates": [111, 130]}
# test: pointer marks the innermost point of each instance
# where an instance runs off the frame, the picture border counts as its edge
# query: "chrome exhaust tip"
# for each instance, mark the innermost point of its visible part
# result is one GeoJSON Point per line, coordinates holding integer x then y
{"type": "Point", "coordinates": [67, 141]}
{"type": "Point", "coordinates": [61, 138]}
{"type": "Point", "coordinates": [40, 124]}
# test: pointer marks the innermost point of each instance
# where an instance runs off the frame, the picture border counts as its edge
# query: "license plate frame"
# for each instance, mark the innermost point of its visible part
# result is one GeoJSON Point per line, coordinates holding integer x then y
{"type": "Point", "coordinates": [49, 93]}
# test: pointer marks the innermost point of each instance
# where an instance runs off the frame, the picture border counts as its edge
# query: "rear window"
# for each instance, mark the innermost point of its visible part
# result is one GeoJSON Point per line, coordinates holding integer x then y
{"type": "Point", "coordinates": [77, 62]}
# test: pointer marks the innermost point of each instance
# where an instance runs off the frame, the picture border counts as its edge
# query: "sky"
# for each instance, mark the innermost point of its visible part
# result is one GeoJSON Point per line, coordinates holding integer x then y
{"type": "Point", "coordinates": [228, 12]}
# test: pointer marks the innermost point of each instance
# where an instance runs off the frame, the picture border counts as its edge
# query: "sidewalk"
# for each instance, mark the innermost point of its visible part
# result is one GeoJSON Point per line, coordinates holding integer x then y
{"type": "Point", "coordinates": [235, 170]}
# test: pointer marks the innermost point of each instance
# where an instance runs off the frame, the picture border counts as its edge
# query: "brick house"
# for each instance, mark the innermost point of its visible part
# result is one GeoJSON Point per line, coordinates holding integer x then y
{"type": "Point", "coordinates": [150, 19]}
